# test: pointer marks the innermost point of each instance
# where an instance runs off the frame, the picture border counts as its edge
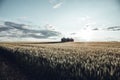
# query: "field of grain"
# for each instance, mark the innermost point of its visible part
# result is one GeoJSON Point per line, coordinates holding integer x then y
{"type": "Point", "coordinates": [64, 61]}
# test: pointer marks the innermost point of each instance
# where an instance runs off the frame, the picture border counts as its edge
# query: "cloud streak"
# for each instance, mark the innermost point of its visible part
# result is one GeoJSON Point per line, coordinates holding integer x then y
{"type": "Point", "coordinates": [19, 31]}
{"type": "Point", "coordinates": [115, 28]}
{"type": "Point", "coordinates": [95, 29]}
{"type": "Point", "coordinates": [56, 3]}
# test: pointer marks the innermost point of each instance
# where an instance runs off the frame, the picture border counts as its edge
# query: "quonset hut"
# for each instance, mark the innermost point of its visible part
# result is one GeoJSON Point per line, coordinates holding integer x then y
{"type": "Point", "coordinates": [67, 40]}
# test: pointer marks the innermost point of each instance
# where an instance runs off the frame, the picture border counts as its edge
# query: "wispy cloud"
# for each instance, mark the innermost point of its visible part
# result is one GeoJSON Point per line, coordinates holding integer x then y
{"type": "Point", "coordinates": [56, 3]}
{"type": "Point", "coordinates": [49, 27]}
{"type": "Point", "coordinates": [114, 28]}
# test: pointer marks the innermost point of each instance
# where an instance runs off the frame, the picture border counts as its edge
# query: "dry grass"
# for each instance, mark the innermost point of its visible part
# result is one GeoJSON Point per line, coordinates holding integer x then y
{"type": "Point", "coordinates": [66, 61]}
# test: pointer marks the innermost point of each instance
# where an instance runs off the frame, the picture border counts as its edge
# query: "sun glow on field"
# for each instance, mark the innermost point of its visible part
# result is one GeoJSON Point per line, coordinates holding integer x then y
{"type": "Point", "coordinates": [87, 34]}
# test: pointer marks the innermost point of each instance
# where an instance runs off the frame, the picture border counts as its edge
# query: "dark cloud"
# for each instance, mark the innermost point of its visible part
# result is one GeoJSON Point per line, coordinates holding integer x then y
{"type": "Point", "coordinates": [15, 30]}
{"type": "Point", "coordinates": [95, 29]}
{"type": "Point", "coordinates": [4, 28]}
{"type": "Point", "coordinates": [14, 25]}
{"type": "Point", "coordinates": [115, 28]}
{"type": "Point", "coordinates": [47, 33]}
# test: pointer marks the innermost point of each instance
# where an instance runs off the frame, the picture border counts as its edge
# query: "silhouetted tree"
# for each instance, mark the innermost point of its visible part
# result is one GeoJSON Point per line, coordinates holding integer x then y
{"type": "Point", "coordinates": [67, 40]}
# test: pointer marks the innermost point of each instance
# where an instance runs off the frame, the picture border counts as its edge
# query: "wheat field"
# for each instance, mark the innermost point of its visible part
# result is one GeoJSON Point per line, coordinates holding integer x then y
{"type": "Point", "coordinates": [63, 61]}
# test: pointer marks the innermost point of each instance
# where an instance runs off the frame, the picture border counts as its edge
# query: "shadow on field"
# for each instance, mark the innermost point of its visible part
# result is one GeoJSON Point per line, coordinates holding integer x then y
{"type": "Point", "coordinates": [44, 42]}
{"type": "Point", "coordinates": [40, 68]}
{"type": "Point", "coordinates": [32, 71]}
{"type": "Point", "coordinates": [8, 68]}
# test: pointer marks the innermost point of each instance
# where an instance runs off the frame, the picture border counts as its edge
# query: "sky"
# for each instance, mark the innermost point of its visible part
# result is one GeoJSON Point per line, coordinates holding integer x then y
{"type": "Point", "coordinates": [84, 20]}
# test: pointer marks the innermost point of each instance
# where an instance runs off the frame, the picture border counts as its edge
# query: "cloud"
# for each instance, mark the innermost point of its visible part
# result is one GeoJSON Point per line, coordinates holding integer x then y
{"type": "Point", "coordinates": [56, 3]}
{"type": "Point", "coordinates": [95, 29]}
{"type": "Point", "coordinates": [115, 28]}
{"type": "Point", "coordinates": [4, 29]}
{"type": "Point", "coordinates": [49, 27]}
{"type": "Point", "coordinates": [14, 30]}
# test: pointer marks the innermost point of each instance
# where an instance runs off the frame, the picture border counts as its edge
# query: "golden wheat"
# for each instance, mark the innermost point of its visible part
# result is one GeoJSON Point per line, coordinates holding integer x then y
{"type": "Point", "coordinates": [69, 61]}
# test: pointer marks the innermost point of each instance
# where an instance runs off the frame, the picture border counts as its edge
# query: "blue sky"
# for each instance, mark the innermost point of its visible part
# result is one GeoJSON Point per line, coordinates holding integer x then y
{"type": "Point", "coordinates": [67, 16]}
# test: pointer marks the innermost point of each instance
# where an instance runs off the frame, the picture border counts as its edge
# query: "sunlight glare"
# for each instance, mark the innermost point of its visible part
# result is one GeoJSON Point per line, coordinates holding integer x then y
{"type": "Point", "coordinates": [87, 34]}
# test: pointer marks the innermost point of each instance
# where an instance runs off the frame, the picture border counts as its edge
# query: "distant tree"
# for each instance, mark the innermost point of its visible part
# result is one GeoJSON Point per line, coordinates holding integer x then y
{"type": "Point", "coordinates": [67, 40]}
{"type": "Point", "coordinates": [71, 40]}
{"type": "Point", "coordinates": [63, 40]}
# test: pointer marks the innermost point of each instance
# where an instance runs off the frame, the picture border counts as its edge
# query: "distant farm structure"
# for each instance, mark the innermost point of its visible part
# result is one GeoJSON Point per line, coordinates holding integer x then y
{"type": "Point", "coordinates": [67, 40]}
